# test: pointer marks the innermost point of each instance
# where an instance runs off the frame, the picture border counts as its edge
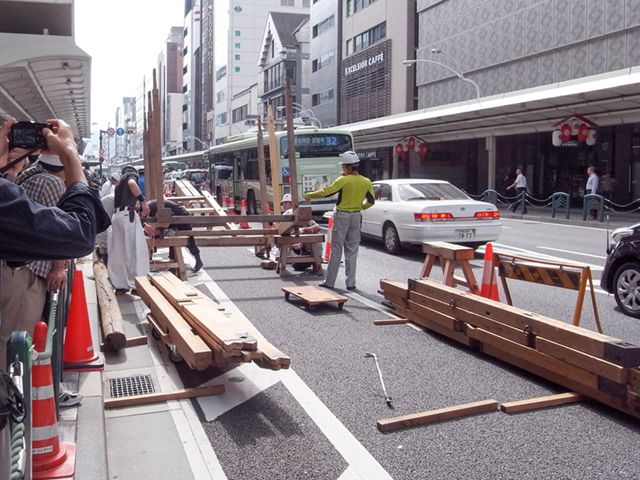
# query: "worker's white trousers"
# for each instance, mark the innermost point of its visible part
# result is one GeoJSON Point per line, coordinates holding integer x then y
{"type": "Point", "coordinates": [128, 253]}
{"type": "Point", "coordinates": [344, 235]}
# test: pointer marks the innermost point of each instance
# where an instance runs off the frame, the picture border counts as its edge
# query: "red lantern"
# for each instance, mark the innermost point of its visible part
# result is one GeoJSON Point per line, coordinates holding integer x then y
{"type": "Point", "coordinates": [399, 149]}
{"type": "Point", "coordinates": [423, 149]}
{"type": "Point", "coordinates": [565, 131]}
{"type": "Point", "coordinates": [411, 143]}
{"type": "Point", "coordinates": [583, 132]}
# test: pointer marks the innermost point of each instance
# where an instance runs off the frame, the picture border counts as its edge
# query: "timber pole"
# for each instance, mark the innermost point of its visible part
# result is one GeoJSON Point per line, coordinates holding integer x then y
{"type": "Point", "coordinates": [276, 174]}
{"type": "Point", "coordinates": [262, 172]}
{"type": "Point", "coordinates": [291, 141]}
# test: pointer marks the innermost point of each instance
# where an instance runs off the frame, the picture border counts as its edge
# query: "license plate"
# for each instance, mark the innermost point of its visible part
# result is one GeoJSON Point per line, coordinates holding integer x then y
{"type": "Point", "coordinates": [465, 233]}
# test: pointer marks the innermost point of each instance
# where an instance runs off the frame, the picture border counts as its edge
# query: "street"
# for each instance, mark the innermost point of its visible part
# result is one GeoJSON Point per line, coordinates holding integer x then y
{"type": "Point", "coordinates": [319, 420]}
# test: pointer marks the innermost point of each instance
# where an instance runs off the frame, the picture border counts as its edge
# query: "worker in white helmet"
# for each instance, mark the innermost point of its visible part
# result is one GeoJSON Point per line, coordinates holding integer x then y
{"type": "Point", "coordinates": [355, 193]}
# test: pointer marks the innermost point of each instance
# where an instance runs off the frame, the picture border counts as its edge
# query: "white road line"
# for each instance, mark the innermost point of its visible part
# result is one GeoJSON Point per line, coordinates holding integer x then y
{"type": "Point", "coordinates": [379, 308]}
{"type": "Point", "coordinates": [553, 224]}
{"type": "Point", "coordinates": [543, 256]}
{"type": "Point", "coordinates": [355, 454]}
{"type": "Point", "coordinates": [573, 252]}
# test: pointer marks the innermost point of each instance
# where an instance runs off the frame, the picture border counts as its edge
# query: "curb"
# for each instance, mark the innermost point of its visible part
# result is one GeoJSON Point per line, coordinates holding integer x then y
{"type": "Point", "coordinates": [564, 221]}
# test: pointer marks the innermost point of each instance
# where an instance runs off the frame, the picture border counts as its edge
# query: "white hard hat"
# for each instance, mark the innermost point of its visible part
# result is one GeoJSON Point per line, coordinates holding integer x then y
{"type": "Point", "coordinates": [349, 158]}
{"type": "Point", "coordinates": [50, 159]}
{"type": "Point", "coordinates": [116, 176]}
{"type": "Point", "coordinates": [286, 198]}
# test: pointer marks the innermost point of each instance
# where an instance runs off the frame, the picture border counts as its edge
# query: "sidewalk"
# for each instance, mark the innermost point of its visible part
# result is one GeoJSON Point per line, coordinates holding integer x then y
{"type": "Point", "coordinates": [543, 214]}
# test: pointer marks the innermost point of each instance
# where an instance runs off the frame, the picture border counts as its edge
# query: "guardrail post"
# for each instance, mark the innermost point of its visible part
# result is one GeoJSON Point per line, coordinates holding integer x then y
{"type": "Point", "coordinates": [490, 196]}
{"type": "Point", "coordinates": [593, 202]}
{"type": "Point", "coordinates": [560, 200]}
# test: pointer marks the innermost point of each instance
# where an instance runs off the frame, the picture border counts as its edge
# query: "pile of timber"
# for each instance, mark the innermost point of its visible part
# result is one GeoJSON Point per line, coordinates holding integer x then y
{"type": "Point", "coordinates": [200, 328]}
{"type": "Point", "coordinates": [598, 366]}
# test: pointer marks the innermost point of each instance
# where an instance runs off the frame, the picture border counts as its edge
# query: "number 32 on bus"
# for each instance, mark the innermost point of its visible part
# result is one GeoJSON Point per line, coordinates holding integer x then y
{"type": "Point", "coordinates": [234, 166]}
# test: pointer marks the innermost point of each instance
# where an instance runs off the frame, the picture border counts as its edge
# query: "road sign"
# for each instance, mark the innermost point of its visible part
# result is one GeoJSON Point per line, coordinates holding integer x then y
{"type": "Point", "coordinates": [101, 159]}
{"type": "Point", "coordinates": [120, 131]}
{"type": "Point", "coordinates": [111, 131]}
{"type": "Point", "coordinates": [285, 171]}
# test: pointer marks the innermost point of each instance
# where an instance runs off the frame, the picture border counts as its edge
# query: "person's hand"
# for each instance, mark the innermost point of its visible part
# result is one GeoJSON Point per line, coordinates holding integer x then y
{"type": "Point", "coordinates": [61, 140]}
{"type": "Point", "coordinates": [307, 197]}
{"type": "Point", "coordinates": [4, 141]}
{"type": "Point", "coordinates": [56, 280]}
{"type": "Point", "coordinates": [144, 209]}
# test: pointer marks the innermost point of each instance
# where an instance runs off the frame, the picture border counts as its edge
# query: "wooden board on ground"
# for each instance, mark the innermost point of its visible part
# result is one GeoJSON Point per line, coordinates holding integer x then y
{"type": "Point", "coordinates": [541, 402]}
{"type": "Point", "coordinates": [391, 321]}
{"type": "Point", "coordinates": [174, 289]}
{"type": "Point", "coordinates": [163, 396]}
{"type": "Point", "coordinates": [438, 415]}
{"type": "Point", "coordinates": [313, 295]}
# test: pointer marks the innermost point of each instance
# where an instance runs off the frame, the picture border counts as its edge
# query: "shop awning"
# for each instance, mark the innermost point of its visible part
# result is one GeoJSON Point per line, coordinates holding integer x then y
{"type": "Point", "coordinates": [45, 76]}
{"type": "Point", "coordinates": [607, 99]}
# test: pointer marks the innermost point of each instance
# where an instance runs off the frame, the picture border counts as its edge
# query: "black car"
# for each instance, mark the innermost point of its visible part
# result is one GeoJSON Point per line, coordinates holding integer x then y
{"type": "Point", "coordinates": [621, 275]}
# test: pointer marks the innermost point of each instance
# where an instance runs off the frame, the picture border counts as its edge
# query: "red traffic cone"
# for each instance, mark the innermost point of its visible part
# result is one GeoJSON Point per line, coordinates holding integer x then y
{"type": "Point", "coordinates": [243, 212]}
{"type": "Point", "coordinates": [489, 288]}
{"type": "Point", "coordinates": [78, 345]}
{"type": "Point", "coordinates": [327, 245]}
{"type": "Point", "coordinates": [232, 206]}
{"type": "Point", "coordinates": [50, 457]}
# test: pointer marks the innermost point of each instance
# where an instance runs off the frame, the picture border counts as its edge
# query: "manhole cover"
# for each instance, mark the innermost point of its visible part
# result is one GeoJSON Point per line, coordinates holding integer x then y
{"type": "Point", "coordinates": [131, 386]}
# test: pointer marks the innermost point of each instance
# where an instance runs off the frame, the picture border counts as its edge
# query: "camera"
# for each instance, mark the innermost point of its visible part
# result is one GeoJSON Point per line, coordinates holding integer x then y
{"type": "Point", "coordinates": [28, 135]}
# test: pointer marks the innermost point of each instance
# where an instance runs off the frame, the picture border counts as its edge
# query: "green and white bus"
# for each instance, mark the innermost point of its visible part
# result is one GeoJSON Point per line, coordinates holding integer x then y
{"type": "Point", "coordinates": [234, 165]}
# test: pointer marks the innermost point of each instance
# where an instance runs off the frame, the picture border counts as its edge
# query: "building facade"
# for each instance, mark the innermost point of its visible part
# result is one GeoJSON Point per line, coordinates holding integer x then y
{"type": "Point", "coordinates": [285, 51]}
{"type": "Point", "coordinates": [192, 78]}
{"type": "Point", "coordinates": [377, 35]}
{"type": "Point", "coordinates": [326, 56]}
{"type": "Point", "coordinates": [170, 76]}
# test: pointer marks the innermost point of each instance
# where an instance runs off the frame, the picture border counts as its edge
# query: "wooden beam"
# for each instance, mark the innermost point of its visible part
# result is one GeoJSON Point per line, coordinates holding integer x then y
{"type": "Point", "coordinates": [110, 314]}
{"type": "Point", "coordinates": [438, 415]}
{"type": "Point", "coordinates": [276, 174]}
{"type": "Point", "coordinates": [225, 233]}
{"type": "Point", "coordinates": [262, 173]}
{"type": "Point", "coordinates": [136, 341]}
{"type": "Point", "coordinates": [217, 221]}
{"type": "Point", "coordinates": [163, 396]}
{"type": "Point", "coordinates": [291, 142]}
{"type": "Point", "coordinates": [391, 321]}
{"type": "Point", "coordinates": [541, 402]}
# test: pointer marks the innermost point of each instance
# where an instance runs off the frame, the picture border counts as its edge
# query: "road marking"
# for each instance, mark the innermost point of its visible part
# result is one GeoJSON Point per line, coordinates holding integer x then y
{"type": "Point", "coordinates": [543, 256]}
{"type": "Point", "coordinates": [532, 222]}
{"type": "Point", "coordinates": [350, 474]}
{"type": "Point", "coordinates": [380, 308]}
{"type": "Point", "coordinates": [573, 252]}
{"type": "Point", "coordinates": [354, 453]}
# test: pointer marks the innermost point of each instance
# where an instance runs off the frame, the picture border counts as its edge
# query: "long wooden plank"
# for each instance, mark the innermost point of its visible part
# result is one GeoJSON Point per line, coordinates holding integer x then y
{"type": "Point", "coordinates": [437, 415]}
{"type": "Point", "coordinates": [163, 396]}
{"type": "Point", "coordinates": [465, 316]}
{"type": "Point", "coordinates": [541, 402]}
{"type": "Point", "coordinates": [592, 343]}
{"type": "Point", "coordinates": [173, 289]}
{"type": "Point", "coordinates": [195, 352]}
{"type": "Point", "coordinates": [224, 233]}
{"type": "Point", "coordinates": [398, 289]}
{"type": "Point", "coordinates": [575, 357]}
{"type": "Point", "coordinates": [391, 321]}
{"type": "Point", "coordinates": [437, 328]}
{"type": "Point", "coordinates": [446, 321]}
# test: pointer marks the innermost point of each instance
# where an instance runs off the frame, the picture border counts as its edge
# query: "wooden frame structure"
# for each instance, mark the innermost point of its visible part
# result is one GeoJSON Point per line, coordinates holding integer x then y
{"type": "Point", "coordinates": [450, 256]}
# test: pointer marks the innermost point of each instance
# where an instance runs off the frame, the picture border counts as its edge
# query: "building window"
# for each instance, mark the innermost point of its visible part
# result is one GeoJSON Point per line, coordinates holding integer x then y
{"type": "Point", "coordinates": [221, 118]}
{"type": "Point", "coordinates": [273, 77]}
{"type": "Point", "coordinates": [305, 3]}
{"type": "Point", "coordinates": [184, 34]}
{"type": "Point", "coordinates": [367, 38]}
{"type": "Point", "coordinates": [322, 62]}
{"type": "Point", "coordinates": [287, 3]}
{"type": "Point", "coordinates": [184, 89]}
{"type": "Point", "coordinates": [321, 98]}
{"type": "Point", "coordinates": [236, 69]}
{"type": "Point", "coordinates": [239, 114]}
{"type": "Point", "coordinates": [237, 33]}
{"type": "Point", "coordinates": [354, 6]}
{"type": "Point", "coordinates": [221, 72]}
{"type": "Point", "coordinates": [184, 70]}
{"type": "Point", "coordinates": [273, 48]}
{"type": "Point", "coordinates": [220, 96]}
{"type": "Point", "coordinates": [236, 56]}
{"type": "Point", "coordinates": [323, 26]}
{"type": "Point", "coordinates": [236, 45]}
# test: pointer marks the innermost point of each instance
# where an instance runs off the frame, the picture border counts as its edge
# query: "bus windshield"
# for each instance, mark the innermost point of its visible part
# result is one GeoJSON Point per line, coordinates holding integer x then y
{"type": "Point", "coordinates": [311, 145]}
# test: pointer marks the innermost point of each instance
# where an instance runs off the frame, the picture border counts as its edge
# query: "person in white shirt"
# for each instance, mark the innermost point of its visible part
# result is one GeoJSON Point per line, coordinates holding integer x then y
{"type": "Point", "coordinates": [109, 185]}
{"type": "Point", "coordinates": [521, 187]}
{"type": "Point", "coordinates": [592, 187]}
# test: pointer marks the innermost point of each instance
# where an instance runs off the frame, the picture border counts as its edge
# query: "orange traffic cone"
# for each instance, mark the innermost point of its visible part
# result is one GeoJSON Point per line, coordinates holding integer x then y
{"type": "Point", "coordinates": [232, 206]}
{"type": "Point", "coordinates": [489, 288]}
{"type": "Point", "coordinates": [243, 212]}
{"type": "Point", "coordinates": [327, 245]}
{"type": "Point", "coordinates": [224, 202]}
{"type": "Point", "coordinates": [51, 458]}
{"type": "Point", "coordinates": [78, 345]}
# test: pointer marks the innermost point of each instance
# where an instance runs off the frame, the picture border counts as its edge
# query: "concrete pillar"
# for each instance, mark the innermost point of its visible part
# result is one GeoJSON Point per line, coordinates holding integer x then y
{"type": "Point", "coordinates": [491, 162]}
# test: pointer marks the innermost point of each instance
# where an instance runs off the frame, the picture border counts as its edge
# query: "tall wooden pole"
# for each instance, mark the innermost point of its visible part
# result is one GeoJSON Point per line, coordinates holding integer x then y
{"type": "Point", "coordinates": [149, 173]}
{"type": "Point", "coordinates": [145, 153]}
{"type": "Point", "coordinates": [157, 149]}
{"type": "Point", "coordinates": [291, 140]}
{"type": "Point", "coordinates": [262, 172]}
{"type": "Point", "coordinates": [275, 163]}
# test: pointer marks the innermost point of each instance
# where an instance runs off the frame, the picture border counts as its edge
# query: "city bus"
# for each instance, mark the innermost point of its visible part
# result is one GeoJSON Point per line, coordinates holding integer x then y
{"type": "Point", "coordinates": [234, 165]}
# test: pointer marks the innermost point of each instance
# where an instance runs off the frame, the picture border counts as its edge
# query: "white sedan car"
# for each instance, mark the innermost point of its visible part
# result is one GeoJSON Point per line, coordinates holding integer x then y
{"type": "Point", "coordinates": [412, 211]}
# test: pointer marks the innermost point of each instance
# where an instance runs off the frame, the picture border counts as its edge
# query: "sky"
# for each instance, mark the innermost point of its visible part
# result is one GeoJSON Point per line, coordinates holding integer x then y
{"type": "Point", "coordinates": [124, 38]}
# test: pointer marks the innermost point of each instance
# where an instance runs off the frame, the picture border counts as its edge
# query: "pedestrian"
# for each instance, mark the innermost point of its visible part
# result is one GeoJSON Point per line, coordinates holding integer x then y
{"type": "Point", "coordinates": [608, 185]}
{"type": "Point", "coordinates": [109, 184]}
{"type": "Point", "coordinates": [355, 193]}
{"type": "Point", "coordinates": [520, 185]}
{"type": "Point", "coordinates": [177, 209]}
{"type": "Point", "coordinates": [592, 187]}
{"type": "Point", "coordinates": [311, 227]}
{"type": "Point", "coordinates": [102, 239]}
{"type": "Point", "coordinates": [127, 246]}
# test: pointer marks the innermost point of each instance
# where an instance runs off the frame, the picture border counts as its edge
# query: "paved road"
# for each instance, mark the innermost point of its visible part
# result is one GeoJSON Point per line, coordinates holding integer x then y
{"type": "Point", "coordinates": [318, 422]}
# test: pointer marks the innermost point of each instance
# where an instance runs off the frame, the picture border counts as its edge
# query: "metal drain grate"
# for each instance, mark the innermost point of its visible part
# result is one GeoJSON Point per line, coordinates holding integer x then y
{"type": "Point", "coordinates": [131, 386]}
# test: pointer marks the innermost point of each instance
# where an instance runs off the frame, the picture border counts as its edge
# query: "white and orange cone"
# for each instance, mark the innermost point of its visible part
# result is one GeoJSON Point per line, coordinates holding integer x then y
{"type": "Point", "coordinates": [489, 288]}
{"type": "Point", "coordinates": [243, 212]}
{"type": "Point", "coordinates": [327, 244]}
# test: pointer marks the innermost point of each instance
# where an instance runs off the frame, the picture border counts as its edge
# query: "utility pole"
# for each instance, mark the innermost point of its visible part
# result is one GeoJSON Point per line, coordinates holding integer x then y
{"type": "Point", "coordinates": [101, 157]}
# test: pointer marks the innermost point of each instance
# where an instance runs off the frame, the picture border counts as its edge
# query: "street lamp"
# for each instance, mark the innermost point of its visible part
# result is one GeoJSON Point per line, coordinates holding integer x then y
{"type": "Point", "coordinates": [458, 73]}
{"type": "Point", "coordinates": [204, 145]}
{"type": "Point", "coordinates": [302, 111]}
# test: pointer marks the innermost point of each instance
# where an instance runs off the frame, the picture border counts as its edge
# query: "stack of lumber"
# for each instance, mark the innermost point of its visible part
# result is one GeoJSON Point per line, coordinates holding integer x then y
{"type": "Point", "coordinates": [203, 333]}
{"type": "Point", "coordinates": [595, 365]}
{"type": "Point", "coordinates": [397, 294]}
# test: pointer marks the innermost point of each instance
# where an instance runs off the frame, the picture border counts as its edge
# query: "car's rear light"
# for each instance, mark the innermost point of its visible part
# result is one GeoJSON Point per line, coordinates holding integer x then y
{"type": "Point", "coordinates": [432, 217]}
{"type": "Point", "coordinates": [487, 215]}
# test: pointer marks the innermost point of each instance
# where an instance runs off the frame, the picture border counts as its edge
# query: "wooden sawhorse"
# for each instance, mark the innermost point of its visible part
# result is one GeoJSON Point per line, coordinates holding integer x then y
{"type": "Point", "coordinates": [450, 257]}
{"type": "Point", "coordinates": [285, 243]}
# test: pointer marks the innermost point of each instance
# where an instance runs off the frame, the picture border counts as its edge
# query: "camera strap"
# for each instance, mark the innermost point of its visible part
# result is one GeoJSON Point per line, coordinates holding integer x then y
{"type": "Point", "coordinates": [12, 163]}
